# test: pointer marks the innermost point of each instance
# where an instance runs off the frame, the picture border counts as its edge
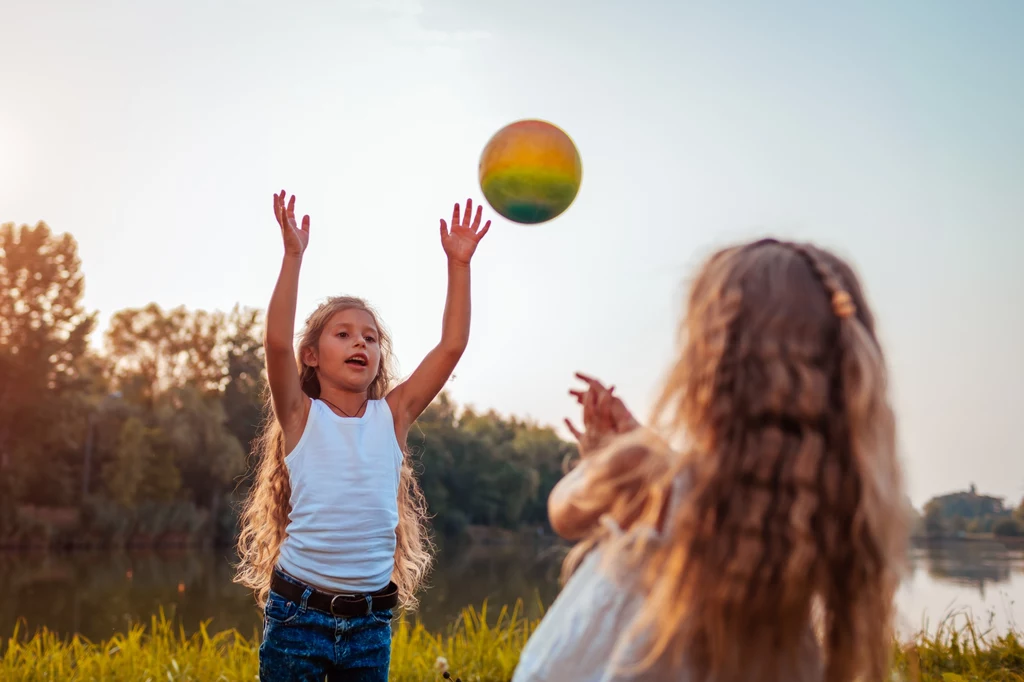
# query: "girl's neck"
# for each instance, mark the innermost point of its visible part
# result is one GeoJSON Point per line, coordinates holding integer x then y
{"type": "Point", "coordinates": [345, 403]}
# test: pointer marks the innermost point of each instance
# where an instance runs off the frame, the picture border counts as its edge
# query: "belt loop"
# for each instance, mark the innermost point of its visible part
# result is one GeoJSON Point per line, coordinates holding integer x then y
{"type": "Point", "coordinates": [369, 604]}
{"type": "Point", "coordinates": [305, 597]}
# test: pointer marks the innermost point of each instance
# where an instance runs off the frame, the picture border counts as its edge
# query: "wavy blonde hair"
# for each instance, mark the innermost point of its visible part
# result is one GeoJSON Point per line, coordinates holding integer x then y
{"type": "Point", "coordinates": [795, 495]}
{"type": "Point", "coordinates": [265, 512]}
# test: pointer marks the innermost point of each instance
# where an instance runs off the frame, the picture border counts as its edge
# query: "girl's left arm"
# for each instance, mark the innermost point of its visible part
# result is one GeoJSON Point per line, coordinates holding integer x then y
{"type": "Point", "coordinates": [408, 400]}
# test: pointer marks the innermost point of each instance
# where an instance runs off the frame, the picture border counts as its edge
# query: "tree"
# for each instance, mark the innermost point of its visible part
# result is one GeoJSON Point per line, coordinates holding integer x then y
{"type": "Point", "coordinates": [483, 469]}
{"type": "Point", "coordinates": [1007, 528]}
{"type": "Point", "coordinates": [133, 457]}
{"type": "Point", "coordinates": [169, 449]}
{"type": "Point", "coordinates": [934, 523]}
{"type": "Point", "coordinates": [153, 350]}
{"type": "Point", "coordinates": [1018, 512]}
{"type": "Point", "coordinates": [205, 452]}
{"type": "Point", "coordinates": [243, 390]}
{"type": "Point", "coordinates": [43, 340]}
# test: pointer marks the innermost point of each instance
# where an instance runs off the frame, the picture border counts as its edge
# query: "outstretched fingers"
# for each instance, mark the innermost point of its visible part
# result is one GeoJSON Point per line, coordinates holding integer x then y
{"type": "Point", "coordinates": [603, 398]}
{"type": "Point", "coordinates": [574, 431]}
{"type": "Point", "coordinates": [477, 231]}
{"type": "Point", "coordinates": [285, 214]}
{"type": "Point", "coordinates": [479, 214]}
{"type": "Point", "coordinates": [483, 230]}
{"type": "Point", "coordinates": [455, 217]}
{"type": "Point", "coordinates": [591, 381]}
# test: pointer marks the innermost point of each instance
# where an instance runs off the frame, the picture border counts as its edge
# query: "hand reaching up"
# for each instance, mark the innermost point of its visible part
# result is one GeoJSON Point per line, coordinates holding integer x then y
{"type": "Point", "coordinates": [604, 415]}
{"type": "Point", "coordinates": [296, 239]}
{"type": "Point", "coordinates": [460, 241]}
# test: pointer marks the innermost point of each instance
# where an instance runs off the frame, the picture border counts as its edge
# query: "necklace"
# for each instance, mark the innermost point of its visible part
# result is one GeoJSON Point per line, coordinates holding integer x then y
{"type": "Point", "coordinates": [343, 412]}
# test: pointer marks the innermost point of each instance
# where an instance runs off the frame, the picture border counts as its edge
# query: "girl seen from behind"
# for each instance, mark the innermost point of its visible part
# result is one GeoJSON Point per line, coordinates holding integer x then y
{"type": "Point", "coordinates": [768, 543]}
{"type": "Point", "coordinates": [333, 534]}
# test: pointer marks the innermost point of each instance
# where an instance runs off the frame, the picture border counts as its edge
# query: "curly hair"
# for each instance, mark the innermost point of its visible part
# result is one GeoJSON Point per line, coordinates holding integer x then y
{"type": "Point", "coordinates": [264, 515]}
{"type": "Point", "coordinates": [795, 499]}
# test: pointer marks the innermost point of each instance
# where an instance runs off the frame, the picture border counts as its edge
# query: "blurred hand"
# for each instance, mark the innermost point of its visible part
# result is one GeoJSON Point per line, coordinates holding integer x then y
{"type": "Point", "coordinates": [604, 415]}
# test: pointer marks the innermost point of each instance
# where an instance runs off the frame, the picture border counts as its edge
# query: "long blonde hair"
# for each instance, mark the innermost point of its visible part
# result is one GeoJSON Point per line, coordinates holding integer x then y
{"type": "Point", "coordinates": [265, 513]}
{"type": "Point", "coordinates": [795, 495]}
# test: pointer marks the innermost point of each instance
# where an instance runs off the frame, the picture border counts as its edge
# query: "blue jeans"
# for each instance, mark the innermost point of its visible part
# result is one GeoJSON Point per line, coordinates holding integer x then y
{"type": "Point", "coordinates": [303, 644]}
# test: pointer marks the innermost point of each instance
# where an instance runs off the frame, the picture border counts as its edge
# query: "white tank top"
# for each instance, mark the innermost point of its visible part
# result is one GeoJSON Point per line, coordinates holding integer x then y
{"type": "Point", "coordinates": [344, 479]}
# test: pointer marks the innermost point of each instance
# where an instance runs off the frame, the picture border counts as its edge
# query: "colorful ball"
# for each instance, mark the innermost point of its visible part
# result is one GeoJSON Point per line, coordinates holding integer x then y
{"type": "Point", "coordinates": [530, 171]}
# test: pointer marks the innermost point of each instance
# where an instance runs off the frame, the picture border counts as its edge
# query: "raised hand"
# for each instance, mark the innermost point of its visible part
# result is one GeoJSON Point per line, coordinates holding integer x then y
{"type": "Point", "coordinates": [460, 241]}
{"type": "Point", "coordinates": [296, 239]}
{"type": "Point", "coordinates": [604, 415]}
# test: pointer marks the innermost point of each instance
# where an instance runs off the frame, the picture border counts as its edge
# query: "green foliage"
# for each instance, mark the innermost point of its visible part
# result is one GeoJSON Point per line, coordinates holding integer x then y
{"type": "Point", "coordinates": [163, 420]}
{"type": "Point", "coordinates": [113, 525]}
{"type": "Point", "coordinates": [477, 646]}
{"type": "Point", "coordinates": [485, 469]}
{"type": "Point", "coordinates": [960, 654]}
{"type": "Point", "coordinates": [44, 364]}
{"type": "Point", "coordinates": [1008, 528]}
{"type": "Point", "coordinates": [132, 457]}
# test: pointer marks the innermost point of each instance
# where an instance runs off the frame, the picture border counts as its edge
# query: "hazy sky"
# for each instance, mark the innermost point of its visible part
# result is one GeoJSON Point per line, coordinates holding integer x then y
{"type": "Point", "coordinates": [890, 132]}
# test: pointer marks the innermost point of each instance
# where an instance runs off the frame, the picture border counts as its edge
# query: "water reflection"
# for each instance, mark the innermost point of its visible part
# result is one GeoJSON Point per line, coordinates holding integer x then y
{"type": "Point", "coordinates": [98, 594]}
{"type": "Point", "coordinates": [981, 579]}
{"type": "Point", "coordinates": [971, 564]}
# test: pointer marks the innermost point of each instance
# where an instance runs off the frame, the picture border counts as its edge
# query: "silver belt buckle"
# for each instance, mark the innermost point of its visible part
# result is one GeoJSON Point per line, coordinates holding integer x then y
{"type": "Point", "coordinates": [369, 603]}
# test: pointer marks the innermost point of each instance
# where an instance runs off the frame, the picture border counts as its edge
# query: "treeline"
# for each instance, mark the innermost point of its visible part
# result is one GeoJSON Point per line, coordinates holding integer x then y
{"type": "Point", "coordinates": [146, 441]}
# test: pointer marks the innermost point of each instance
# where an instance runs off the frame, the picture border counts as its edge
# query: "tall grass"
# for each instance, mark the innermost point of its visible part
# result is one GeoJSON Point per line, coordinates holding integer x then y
{"type": "Point", "coordinates": [481, 646]}
{"type": "Point", "coordinates": [960, 653]}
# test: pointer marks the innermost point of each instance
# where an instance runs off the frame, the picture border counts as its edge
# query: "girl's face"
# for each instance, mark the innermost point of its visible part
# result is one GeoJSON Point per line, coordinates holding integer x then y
{"type": "Point", "coordinates": [348, 351]}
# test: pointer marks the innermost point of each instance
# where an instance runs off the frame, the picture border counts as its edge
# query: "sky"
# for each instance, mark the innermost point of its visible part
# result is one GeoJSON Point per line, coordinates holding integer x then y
{"type": "Point", "coordinates": [892, 133]}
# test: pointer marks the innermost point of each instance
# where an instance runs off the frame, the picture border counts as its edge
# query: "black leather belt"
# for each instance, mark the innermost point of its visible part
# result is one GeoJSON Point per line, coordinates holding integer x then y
{"type": "Point", "coordinates": [345, 605]}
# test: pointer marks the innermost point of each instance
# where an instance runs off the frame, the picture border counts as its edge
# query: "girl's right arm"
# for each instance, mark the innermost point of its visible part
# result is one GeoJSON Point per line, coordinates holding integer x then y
{"type": "Point", "coordinates": [290, 404]}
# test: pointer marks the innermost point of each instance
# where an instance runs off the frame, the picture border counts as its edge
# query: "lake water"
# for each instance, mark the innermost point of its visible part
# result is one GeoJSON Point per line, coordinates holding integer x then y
{"type": "Point", "coordinates": [98, 594]}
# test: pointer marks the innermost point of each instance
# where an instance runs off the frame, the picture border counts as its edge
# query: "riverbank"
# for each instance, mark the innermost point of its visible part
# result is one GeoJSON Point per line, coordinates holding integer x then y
{"type": "Point", "coordinates": [177, 525]}
{"type": "Point", "coordinates": [482, 645]}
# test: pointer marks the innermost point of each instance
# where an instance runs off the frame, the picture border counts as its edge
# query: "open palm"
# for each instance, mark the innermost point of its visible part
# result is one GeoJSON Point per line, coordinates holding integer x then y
{"type": "Point", "coordinates": [296, 239]}
{"type": "Point", "coordinates": [604, 415]}
{"type": "Point", "coordinates": [460, 241]}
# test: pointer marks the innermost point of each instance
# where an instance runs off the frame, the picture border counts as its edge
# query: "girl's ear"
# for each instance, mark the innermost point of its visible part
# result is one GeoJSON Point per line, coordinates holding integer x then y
{"type": "Point", "coordinates": [308, 355]}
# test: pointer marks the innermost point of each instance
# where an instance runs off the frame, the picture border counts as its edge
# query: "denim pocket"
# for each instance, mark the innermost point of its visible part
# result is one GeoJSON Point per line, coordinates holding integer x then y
{"type": "Point", "coordinates": [279, 609]}
{"type": "Point", "coordinates": [382, 616]}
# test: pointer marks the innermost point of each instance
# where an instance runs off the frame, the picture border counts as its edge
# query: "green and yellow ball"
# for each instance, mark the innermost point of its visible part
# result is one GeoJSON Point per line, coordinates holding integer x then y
{"type": "Point", "coordinates": [530, 171]}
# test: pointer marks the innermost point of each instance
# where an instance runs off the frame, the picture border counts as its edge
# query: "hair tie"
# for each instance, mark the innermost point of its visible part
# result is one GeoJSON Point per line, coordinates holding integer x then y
{"type": "Point", "coordinates": [843, 305]}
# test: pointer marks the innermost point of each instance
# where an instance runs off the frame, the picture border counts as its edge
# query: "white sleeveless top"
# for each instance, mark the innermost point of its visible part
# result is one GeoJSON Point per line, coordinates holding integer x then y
{"type": "Point", "coordinates": [344, 478]}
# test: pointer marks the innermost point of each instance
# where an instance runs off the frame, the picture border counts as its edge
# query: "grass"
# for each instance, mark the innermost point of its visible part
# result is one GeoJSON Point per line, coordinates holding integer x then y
{"type": "Point", "coordinates": [960, 653]}
{"type": "Point", "coordinates": [479, 647]}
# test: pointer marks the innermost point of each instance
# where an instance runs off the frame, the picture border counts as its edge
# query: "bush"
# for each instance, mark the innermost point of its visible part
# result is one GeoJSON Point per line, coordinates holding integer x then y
{"type": "Point", "coordinates": [116, 525]}
{"type": "Point", "coordinates": [1007, 528]}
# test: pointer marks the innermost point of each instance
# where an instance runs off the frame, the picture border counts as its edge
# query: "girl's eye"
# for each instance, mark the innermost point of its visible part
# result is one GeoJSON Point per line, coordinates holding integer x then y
{"type": "Point", "coordinates": [342, 334]}
{"type": "Point", "coordinates": [370, 339]}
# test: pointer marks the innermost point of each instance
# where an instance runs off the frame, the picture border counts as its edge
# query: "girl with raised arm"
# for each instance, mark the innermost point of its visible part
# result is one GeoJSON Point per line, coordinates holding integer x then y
{"type": "Point", "coordinates": [333, 533]}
